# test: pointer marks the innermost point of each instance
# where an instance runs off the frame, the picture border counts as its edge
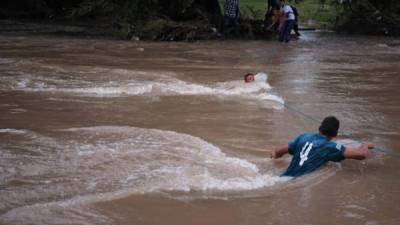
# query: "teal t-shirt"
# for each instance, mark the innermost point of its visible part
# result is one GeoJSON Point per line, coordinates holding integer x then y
{"type": "Point", "coordinates": [310, 152]}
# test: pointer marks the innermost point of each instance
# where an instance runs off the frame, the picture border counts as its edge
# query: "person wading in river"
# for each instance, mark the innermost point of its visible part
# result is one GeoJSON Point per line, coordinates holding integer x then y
{"type": "Point", "coordinates": [272, 17]}
{"type": "Point", "coordinates": [313, 150]}
{"type": "Point", "coordinates": [296, 21]}
{"type": "Point", "coordinates": [288, 20]}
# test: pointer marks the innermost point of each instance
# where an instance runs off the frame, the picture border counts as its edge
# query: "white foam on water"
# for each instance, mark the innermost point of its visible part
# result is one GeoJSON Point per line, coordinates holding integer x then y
{"type": "Point", "coordinates": [159, 85]}
{"type": "Point", "coordinates": [349, 143]}
{"type": "Point", "coordinates": [108, 91]}
{"type": "Point", "coordinates": [104, 163]}
{"type": "Point", "coordinates": [23, 83]}
{"type": "Point", "coordinates": [271, 97]}
{"type": "Point", "coordinates": [12, 131]}
{"type": "Point", "coordinates": [382, 45]}
{"type": "Point", "coordinates": [6, 60]}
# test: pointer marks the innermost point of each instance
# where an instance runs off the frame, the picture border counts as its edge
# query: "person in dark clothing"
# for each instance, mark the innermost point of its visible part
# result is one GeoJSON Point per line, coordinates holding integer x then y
{"type": "Point", "coordinates": [272, 4]}
{"type": "Point", "coordinates": [271, 19]}
{"type": "Point", "coordinates": [296, 21]}
{"type": "Point", "coordinates": [231, 13]}
{"type": "Point", "coordinates": [313, 150]}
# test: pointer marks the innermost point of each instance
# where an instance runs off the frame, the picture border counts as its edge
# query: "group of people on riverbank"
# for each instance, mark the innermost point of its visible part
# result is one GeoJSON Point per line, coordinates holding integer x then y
{"type": "Point", "coordinates": [280, 18]}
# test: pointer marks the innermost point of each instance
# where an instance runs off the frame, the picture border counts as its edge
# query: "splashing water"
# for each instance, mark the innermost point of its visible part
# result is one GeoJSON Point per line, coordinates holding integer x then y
{"type": "Point", "coordinates": [158, 85]}
{"type": "Point", "coordinates": [86, 163]}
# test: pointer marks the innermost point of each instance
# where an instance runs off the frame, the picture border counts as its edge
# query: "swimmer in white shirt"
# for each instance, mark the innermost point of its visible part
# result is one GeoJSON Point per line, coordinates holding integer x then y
{"type": "Point", "coordinates": [261, 77]}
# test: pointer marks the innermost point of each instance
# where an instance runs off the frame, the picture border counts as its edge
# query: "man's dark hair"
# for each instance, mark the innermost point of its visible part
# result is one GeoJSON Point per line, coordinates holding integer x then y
{"type": "Point", "coordinates": [329, 126]}
{"type": "Point", "coordinates": [247, 75]}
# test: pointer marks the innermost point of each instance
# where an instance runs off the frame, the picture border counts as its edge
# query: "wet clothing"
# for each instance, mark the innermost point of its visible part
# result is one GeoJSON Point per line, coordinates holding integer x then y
{"type": "Point", "coordinates": [310, 152]}
{"type": "Point", "coordinates": [295, 13]}
{"type": "Point", "coordinates": [288, 12]}
{"type": "Point", "coordinates": [284, 34]}
{"type": "Point", "coordinates": [296, 19]}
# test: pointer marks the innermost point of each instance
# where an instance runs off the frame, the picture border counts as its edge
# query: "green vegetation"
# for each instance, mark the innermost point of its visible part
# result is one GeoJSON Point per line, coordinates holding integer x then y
{"type": "Point", "coordinates": [254, 9]}
{"type": "Point", "coordinates": [370, 17]}
{"type": "Point", "coordinates": [130, 19]}
{"type": "Point", "coordinates": [201, 19]}
{"type": "Point", "coordinates": [353, 16]}
{"type": "Point", "coordinates": [312, 12]}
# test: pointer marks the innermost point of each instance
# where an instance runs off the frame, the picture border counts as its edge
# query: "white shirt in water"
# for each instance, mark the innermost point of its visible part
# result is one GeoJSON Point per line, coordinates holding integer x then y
{"type": "Point", "coordinates": [261, 77]}
{"type": "Point", "coordinates": [288, 11]}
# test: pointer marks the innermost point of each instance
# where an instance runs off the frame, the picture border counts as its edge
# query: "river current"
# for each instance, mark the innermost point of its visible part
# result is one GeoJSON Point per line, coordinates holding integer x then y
{"type": "Point", "coordinates": [97, 131]}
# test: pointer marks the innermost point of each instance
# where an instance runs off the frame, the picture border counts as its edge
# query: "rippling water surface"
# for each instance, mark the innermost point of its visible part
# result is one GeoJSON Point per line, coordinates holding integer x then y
{"type": "Point", "coordinates": [116, 132]}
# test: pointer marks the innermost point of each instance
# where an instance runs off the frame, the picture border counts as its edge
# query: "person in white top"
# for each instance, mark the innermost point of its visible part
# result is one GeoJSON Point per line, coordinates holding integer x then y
{"type": "Point", "coordinates": [259, 77]}
{"type": "Point", "coordinates": [288, 21]}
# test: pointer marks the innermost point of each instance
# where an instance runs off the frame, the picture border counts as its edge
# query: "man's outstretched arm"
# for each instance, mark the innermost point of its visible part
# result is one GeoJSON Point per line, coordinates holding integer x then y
{"type": "Point", "coordinates": [359, 153]}
{"type": "Point", "coordinates": [280, 152]}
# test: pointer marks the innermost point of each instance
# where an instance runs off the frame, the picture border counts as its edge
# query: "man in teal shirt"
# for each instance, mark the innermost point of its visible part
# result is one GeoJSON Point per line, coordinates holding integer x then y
{"type": "Point", "coordinates": [313, 150]}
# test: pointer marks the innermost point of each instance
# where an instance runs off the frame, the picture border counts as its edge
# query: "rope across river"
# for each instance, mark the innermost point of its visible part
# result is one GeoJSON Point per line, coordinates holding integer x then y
{"type": "Point", "coordinates": [348, 134]}
{"type": "Point", "coordinates": [318, 121]}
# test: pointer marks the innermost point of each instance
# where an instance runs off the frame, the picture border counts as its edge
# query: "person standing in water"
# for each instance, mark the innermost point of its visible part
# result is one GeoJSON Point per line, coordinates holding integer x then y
{"type": "Point", "coordinates": [288, 20]}
{"type": "Point", "coordinates": [272, 17]}
{"type": "Point", "coordinates": [296, 21]}
{"type": "Point", "coordinates": [311, 151]}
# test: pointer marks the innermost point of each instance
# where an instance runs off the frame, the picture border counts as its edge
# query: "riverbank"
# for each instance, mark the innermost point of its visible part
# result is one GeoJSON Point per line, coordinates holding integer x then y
{"type": "Point", "coordinates": [187, 20]}
{"type": "Point", "coordinates": [40, 27]}
{"type": "Point", "coordinates": [159, 30]}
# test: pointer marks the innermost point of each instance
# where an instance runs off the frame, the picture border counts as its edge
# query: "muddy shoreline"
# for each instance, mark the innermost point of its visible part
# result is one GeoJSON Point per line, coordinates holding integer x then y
{"type": "Point", "coordinates": [159, 30]}
{"type": "Point", "coordinates": [59, 28]}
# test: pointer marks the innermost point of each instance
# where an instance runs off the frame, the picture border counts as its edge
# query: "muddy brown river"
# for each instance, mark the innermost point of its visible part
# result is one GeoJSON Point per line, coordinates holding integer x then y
{"type": "Point", "coordinates": [99, 131]}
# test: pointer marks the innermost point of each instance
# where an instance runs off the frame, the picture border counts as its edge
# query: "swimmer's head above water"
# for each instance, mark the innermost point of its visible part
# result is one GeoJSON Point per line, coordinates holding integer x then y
{"type": "Point", "coordinates": [248, 78]}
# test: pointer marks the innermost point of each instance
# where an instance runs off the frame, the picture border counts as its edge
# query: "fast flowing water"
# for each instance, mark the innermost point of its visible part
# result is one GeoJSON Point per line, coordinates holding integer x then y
{"type": "Point", "coordinates": [115, 132]}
